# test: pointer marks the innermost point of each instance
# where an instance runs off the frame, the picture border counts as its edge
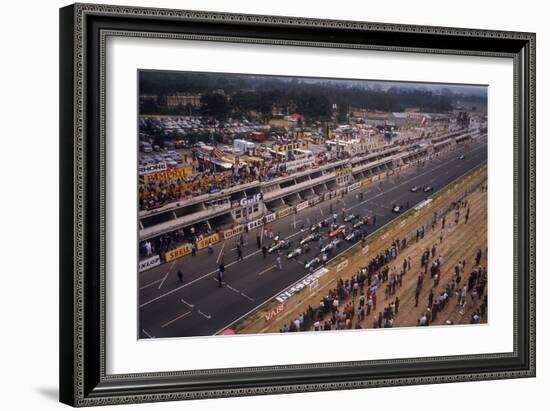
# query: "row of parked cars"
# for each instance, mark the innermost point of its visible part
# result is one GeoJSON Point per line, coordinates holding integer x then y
{"type": "Point", "coordinates": [187, 125]}
{"type": "Point", "coordinates": [170, 158]}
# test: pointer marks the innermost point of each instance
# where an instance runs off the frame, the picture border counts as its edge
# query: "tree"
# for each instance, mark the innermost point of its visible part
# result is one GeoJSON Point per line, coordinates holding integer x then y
{"type": "Point", "coordinates": [214, 105]}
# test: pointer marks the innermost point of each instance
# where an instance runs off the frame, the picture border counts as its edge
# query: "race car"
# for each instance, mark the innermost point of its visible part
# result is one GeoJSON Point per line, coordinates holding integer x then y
{"type": "Point", "coordinates": [427, 189]}
{"type": "Point", "coordinates": [314, 262]}
{"type": "Point", "coordinates": [312, 237]}
{"type": "Point", "coordinates": [397, 208]}
{"type": "Point", "coordinates": [462, 157]}
{"type": "Point", "coordinates": [349, 217]}
{"type": "Point", "coordinates": [414, 189]}
{"type": "Point", "coordinates": [353, 236]}
{"type": "Point", "coordinates": [367, 220]}
{"type": "Point", "coordinates": [340, 230]}
{"type": "Point", "coordinates": [331, 246]}
{"type": "Point", "coordinates": [296, 252]}
{"type": "Point", "coordinates": [316, 227]}
{"type": "Point", "coordinates": [279, 245]}
{"type": "Point", "coordinates": [359, 223]}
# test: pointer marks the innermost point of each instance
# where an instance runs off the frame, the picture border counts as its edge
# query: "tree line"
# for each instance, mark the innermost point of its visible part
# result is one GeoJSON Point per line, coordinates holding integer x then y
{"type": "Point", "coordinates": [230, 95]}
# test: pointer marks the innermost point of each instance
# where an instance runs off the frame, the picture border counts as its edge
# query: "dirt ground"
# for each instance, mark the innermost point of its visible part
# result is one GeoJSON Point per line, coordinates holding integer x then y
{"type": "Point", "coordinates": [460, 242]}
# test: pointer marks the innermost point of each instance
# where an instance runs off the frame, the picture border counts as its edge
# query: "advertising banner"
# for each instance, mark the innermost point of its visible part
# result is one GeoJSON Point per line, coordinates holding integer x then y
{"type": "Point", "coordinates": [148, 263]}
{"type": "Point", "coordinates": [232, 232]}
{"type": "Point", "coordinates": [177, 252]}
{"type": "Point", "coordinates": [302, 205]}
{"type": "Point", "coordinates": [170, 174]}
{"type": "Point", "coordinates": [214, 238]}
{"type": "Point", "coordinates": [284, 212]}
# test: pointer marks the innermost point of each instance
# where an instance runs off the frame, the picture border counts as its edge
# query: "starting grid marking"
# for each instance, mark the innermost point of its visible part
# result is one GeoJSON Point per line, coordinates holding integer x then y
{"type": "Point", "coordinates": [237, 291]}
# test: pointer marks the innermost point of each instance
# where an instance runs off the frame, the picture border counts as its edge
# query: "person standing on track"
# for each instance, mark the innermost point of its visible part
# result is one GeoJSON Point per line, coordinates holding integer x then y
{"type": "Point", "coordinates": [264, 251]}
{"type": "Point", "coordinates": [279, 263]}
{"type": "Point", "coordinates": [239, 252]}
{"type": "Point", "coordinates": [180, 276]}
{"type": "Point", "coordinates": [258, 241]}
{"type": "Point", "coordinates": [221, 273]}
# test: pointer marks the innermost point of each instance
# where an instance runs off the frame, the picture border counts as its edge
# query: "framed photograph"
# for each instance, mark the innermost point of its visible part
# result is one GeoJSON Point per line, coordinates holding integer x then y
{"type": "Point", "coordinates": [259, 205]}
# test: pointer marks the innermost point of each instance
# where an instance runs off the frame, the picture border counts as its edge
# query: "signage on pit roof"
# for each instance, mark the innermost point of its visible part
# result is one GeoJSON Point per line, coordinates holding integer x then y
{"type": "Point", "coordinates": [247, 201]}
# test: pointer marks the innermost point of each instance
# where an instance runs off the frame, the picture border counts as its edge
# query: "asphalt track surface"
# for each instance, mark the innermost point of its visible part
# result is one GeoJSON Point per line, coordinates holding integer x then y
{"type": "Point", "coordinates": [198, 307]}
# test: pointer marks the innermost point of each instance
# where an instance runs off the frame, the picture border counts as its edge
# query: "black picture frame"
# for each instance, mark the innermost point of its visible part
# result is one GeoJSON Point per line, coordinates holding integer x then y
{"type": "Point", "coordinates": [83, 29]}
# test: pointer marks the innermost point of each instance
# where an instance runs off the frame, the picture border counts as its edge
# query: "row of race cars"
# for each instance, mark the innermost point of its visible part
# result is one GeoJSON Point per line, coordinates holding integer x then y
{"type": "Point", "coordinates": [331, 235]}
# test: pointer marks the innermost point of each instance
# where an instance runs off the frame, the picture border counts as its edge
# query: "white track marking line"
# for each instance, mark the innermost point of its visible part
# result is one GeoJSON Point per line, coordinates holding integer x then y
{"type": "Point", "coordinates": [232, 288]}
{"type": "Point", "coordinates": [187, 304]}
{"type": "Point", "coordinates": [220, 253]}
{"type": "Point", "coordinates": [147, 334]}
{"type": "Point", "coordinates": [204, 315]}
{"type": "Point", "coordinates": [166, 276]}
{"type": "Point", "coordinates": [267, 269]}
{"type": "Point", "coordinates": [150, 284]}
{"type": "Point", "coordinates": [247, 297]}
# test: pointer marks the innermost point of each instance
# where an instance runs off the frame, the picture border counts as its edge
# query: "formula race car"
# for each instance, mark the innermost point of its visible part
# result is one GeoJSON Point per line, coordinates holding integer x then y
{"type": "Point", "coordinates": [354, 236]}
{"type": "Point", "coordinates": [316, 227]}
{"type": "Point", "coordinates": [340, 230]}
{"type": "Point", "coordinates": [312, 237]}
{"type": "Point", "coordinates": [322, 258]}
{"type": "Point", "coordinates": [427, 189]}
{"type": "Point", "coordinates": [397, 208]}
{"type": "Point", "coordinates": [279, 245]}
{"type": "Point", "coordinates": [349, 217]}
{"type": "Point", "coordinates": [367, 220]}
{"type": "Point", "coordinates": [331, 246]}
{"type": "Point", "coordinates": [462, 157]}
{"type": "Point", "coordinates": [414, 189]}
{"type": "Point", "coordinates": [298, 251]}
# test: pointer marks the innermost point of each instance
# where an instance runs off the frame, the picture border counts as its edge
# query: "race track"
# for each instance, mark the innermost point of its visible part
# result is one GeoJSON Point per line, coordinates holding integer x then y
{"type": "Point", "coordinates": [197, 307]}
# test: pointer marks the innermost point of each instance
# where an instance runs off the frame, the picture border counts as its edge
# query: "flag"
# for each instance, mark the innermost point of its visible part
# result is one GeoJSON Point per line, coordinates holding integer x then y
{"type": "Point", "coordinates": [218, 153]}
